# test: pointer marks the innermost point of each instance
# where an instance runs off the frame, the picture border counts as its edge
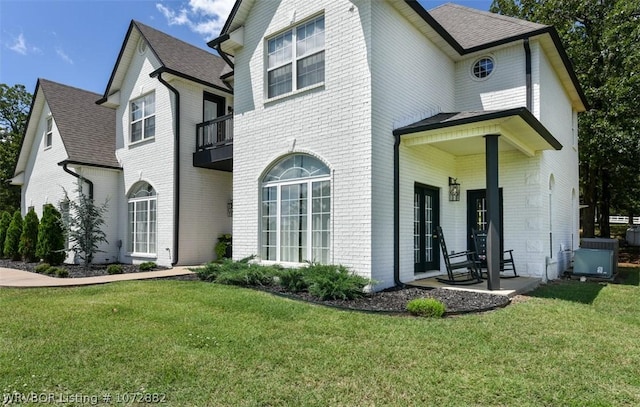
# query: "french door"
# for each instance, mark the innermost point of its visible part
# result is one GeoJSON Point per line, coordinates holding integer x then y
{"type": "Point", "coordinates": [477, 215]}
{"type": "Point", "coordinates": [426, 219]}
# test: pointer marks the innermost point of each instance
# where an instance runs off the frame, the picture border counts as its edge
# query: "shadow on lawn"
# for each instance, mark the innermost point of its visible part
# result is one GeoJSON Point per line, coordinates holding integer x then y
{"type": "Point", "coordinates": [570, 290]}
{"type": "Point", "coordinates": [628, 276]}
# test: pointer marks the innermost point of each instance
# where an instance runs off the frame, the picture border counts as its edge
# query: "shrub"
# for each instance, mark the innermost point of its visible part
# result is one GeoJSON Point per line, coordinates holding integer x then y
{"type": "Point", "coordinates": [42, 268]}
{"type": "Point", "coordinates": [29, 237]}
{"type": "Point", "coordinates": [12, 241]}
{"type": "Point", "coordinates": [331, 282]}
{"type": "Point", "coordinates": [223, 247]}
{"type": "Point", "coordinates": [114, 269]}
{"type": "Point", "coordinates": [5, 221]}
{"type": "Point", "coordinates": [147, 265]}
{"type": "Point", "coordinates": [51, 271]}
{"type": "Point", "coordinates": [426, 307]}
{"type": "Point", "coordinates": [293, 280]}
{"type": "Point", "coordinates": [61, 272]}
{"type": "Point", "coordinates": [245, 274]}
{"type": "Point", "coordinates": [51, 237]}
{"type": "Point", "coordinates": [208, 272]}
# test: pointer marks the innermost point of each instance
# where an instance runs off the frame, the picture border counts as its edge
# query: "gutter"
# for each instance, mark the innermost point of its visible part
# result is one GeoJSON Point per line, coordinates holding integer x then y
{"type": "Point", "coordinates": [396, 211]}
{"type": "Point", "coordinates": [176, 167]}
{"type": "Point", "coordinates": [78, 176]}
{"type": "Point", "coordinates": [527, 63]}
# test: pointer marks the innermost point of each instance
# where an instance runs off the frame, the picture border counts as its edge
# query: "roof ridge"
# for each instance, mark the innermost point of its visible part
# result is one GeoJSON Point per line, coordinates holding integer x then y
{"type": "Point", "coordinates": [138, 24]}
{"type": "Point", "coordinates": [43, 80]}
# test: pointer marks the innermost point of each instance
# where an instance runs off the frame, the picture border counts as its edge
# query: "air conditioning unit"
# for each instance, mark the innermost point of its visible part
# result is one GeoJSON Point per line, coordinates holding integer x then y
{"type": "Point", "coordinates": [603, 244]}
{"type": "Point", "coordinates": [593, 263]}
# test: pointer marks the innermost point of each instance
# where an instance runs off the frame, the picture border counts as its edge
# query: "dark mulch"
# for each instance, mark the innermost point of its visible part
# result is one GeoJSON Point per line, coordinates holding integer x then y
{"type": "Point", "coordinates": [629, 255]}
{"type": "Point", "coordinates": [395, 300]}
{"type": "Point", "coordinates": [75, 270]}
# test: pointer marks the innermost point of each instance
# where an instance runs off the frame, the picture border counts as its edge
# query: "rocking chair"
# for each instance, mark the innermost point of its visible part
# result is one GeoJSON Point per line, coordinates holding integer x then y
{"type": "Point", "coordinates": [461, 261]}
{"type": "Point", "coordinates": [506, 261]}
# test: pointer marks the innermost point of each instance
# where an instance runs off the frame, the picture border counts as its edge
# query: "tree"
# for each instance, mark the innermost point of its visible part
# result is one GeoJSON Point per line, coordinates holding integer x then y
{"type": "Point", "coordinates": [600, 37]}
{"type": "Point", "coordinates": [12, 241]}
{"type": "Point", "coordinates": [85, 222]}
{"type": "Point", "coordinates": [5, 221]}
{"type": "Point", "coordinates": [29, 237]}
{"type": "Point", "coordinates": [51, 237]}
{"type": "Point", "coordinates": [14, 109]}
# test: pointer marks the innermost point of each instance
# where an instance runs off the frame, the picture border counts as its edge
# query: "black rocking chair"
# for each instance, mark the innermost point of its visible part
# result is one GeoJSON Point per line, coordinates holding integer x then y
{"type": "Point", "coordinates": [506, 261]}
{"type": "Point", "coordinates": [461, 261]}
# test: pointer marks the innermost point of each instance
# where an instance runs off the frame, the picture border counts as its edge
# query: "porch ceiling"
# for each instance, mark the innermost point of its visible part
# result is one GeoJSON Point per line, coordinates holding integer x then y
{"type": "Point", "coordinates": [462, 133]}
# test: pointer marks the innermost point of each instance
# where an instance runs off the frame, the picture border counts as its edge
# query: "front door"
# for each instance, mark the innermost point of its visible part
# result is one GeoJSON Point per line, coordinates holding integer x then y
{"type": "Point", "coordinates": [213, 107]}
{"type": "Point", "coordinates": [426, 218]}
{"type": "Point", "coordinates": [477, 215]}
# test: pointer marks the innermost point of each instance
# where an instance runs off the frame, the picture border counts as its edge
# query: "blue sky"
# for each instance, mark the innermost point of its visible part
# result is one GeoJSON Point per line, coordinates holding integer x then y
{"type": "Point", "coordinates": [76, 42]}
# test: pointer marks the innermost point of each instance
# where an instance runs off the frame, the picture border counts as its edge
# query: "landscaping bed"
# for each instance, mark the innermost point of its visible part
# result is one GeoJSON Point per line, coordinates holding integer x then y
{"type": "Point", "coordinates": [75, 270]}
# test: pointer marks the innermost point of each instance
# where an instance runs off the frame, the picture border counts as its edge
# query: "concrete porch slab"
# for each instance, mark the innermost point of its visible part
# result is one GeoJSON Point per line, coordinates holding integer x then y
{"type": "Point", "coordinates": [508, 286]}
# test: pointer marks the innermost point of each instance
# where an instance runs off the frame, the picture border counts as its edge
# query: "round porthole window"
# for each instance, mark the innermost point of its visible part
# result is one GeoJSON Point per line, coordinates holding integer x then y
{"type": "Point", "coordinates": [483, 67]}
{"type": "Point", "coordinates": [142, 46]}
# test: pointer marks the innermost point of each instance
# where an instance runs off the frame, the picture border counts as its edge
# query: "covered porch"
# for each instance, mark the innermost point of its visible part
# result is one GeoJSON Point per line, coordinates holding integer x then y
{"type": "Point", "coordinates": [485, 137]}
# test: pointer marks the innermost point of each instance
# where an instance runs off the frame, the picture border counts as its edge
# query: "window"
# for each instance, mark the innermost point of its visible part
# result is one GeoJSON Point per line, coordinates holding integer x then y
{"type": "Point", "coordinates": [296, 211]}
{"type": "Point", "coordinates": [48, 135]}
{"type": "Point", "coordinates": [482, 67]}
{"type": "Point", "coordinates": [143, 118]}
{"type": "Point", "coordinates": [142, 210]}
{"type": "Point", "coordinates": [292, 67]}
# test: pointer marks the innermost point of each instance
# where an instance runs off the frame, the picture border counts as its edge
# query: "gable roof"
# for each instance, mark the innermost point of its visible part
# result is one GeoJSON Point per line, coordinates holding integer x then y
{"type": "Point", "coordinates": [87, 130]}
{"type": "Point", "coordinates": [177, 57]}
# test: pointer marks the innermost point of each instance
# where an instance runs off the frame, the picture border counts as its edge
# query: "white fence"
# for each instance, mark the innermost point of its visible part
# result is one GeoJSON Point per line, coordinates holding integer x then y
{"type": "Point", "coordinates": [624, 219]}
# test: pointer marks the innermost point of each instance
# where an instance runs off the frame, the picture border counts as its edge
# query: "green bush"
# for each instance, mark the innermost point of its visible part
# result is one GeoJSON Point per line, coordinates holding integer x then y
{"type": "Point", "coordinates": [147, 265]}
{"type": "Point", "coordinates": [51, 237]}
{"type": "Point", "coordinates": [208, 272]}
{"type": "Point", "coordinates": [224, 242]}
{"type": "Point", "coordinates": [114, 269]}
{"type": "Point", "coordinates": [62, 273]}
{"type": "Point", "coordinates": [293, 280]}
{"type": "Point", "coordinates": [51, 271]}
{"type": "Point", "coordinates": [426, 307]}
{"type": "Point", "coordinates": [29, 237]}
{"type": "Point", "coordinates": [12, 241]}
{"type": "Point", "coordinates": [5, 221]}
{"type": "Point", "coordinates": [42, 268]}
{"type": "Point", "coordinates": [331, 282]}
{"type": "Point", "coordinates": [245, 274]}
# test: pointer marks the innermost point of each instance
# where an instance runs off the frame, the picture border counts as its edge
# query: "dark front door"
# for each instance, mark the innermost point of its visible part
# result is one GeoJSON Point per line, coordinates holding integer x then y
{"type": "Point", "coordinates": [426, 218]}
{"type": "Point", "coordinates": [477, 215]}
{"type": "Point", "coordinates": [213, 107]}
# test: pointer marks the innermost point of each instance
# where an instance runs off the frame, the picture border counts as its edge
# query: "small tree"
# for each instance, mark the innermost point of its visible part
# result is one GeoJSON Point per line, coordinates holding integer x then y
{"type": "Point", "coordinates": [5, 221]}
{"type": "Point", "coordinates": [85, 222]}
{"type": "Point", "coordinates": [51, 237]}
{"type": "Point", "coordinates": [29, 237]}
{"type": "Point", "coordinates": [12, 241]}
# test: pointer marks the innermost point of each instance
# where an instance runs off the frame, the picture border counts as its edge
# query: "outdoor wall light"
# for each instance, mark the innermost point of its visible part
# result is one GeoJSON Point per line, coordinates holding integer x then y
{"type": "Point", "coordinates": [230, 208]}
{"type": "Point", "coordinates": [454, 190]}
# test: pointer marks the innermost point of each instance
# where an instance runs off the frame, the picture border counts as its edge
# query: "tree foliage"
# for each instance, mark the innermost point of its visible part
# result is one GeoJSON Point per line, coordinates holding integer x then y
{"type": "Point", "coordinates": [51, 237]}
{"type": "Point", "coordinates": [85, 225]}
{"type": "Point", "coordinates": [601, 38]}
{"type": "Point", "coordinates": [5, 221]}
{"type": "Point", "coordinates": [14, 110]}
{"type": "Point", "coordinates": [12, 241]}
{"type": "Point", "coordinates": [29, 237]}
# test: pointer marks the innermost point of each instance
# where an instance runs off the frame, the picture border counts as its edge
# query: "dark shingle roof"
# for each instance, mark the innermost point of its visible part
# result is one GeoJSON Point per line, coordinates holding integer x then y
{"type": "Point", "coordinates": [474, 28]}
{"type": "Point", "coordinates": [184, 58]}
{"type": "Point", "coordinates": [88, 131]}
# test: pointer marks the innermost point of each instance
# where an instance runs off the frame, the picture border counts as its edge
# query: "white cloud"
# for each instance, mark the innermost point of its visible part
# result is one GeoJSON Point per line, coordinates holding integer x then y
{"type": "Point", "coordinates": [205, 17]}
{"type": "Point", "coordinates": [20, 45]}
{"type": "Point", "coordinates": [64, 56]}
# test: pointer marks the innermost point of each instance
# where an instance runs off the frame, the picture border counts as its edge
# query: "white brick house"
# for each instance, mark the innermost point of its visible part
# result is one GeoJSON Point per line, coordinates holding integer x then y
{"type": "Point", "coordinates": [352, 117]}
{"type": "Point", "coordinates": [166, 203]}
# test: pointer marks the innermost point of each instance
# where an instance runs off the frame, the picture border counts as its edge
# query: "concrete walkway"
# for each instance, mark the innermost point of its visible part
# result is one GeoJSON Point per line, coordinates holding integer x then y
{"type": "Point", "coordinates": [25, 279]}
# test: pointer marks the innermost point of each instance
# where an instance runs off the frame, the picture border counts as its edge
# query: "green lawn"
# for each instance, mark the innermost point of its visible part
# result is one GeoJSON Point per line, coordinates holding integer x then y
{"type": "Point", "coordinates": [201, 344]}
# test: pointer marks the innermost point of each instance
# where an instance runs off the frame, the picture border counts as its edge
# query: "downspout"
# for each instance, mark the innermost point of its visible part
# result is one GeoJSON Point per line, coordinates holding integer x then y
{"type": "Point", "coordinates": [78, 176]}
{"type": "Point", "coordinates": [527, 63]}
{"type": "Point", "coordinates": [223, 55]}
{"type": "Point", "coordinates": [396, 212]}
{"type": "Point", "coordinates": [176, 171]}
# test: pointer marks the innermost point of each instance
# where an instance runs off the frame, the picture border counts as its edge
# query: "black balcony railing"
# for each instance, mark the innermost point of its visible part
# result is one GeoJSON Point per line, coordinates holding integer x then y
{"type": "Point", "coordinates": [214, 133]}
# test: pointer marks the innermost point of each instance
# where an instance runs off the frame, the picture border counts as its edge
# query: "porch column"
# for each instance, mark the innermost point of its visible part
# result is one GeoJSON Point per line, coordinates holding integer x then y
{"type": "Point", "coordinates": [493, 212]}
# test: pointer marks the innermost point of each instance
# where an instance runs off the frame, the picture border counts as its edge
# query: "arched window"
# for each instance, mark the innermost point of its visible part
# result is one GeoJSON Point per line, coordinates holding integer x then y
{"type": "Point", "coordinates": [296, 210]}
{"type": "Point", "coordinates": [142, 208]}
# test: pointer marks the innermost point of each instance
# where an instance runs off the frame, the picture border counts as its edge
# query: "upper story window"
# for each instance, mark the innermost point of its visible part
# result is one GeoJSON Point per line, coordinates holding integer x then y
{"type": "Point", "coordinates": [296, 58]}
{"type": "Point", "coordinates": [483, 67]}
{"type": "Point", "coordinates": [48, 135]}
{"type": "Point", "coordinates": [143, 118]}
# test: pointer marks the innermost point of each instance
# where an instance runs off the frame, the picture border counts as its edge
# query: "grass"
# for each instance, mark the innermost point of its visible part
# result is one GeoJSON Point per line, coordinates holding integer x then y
{"type": "Point", "coordinates": [570, 344]}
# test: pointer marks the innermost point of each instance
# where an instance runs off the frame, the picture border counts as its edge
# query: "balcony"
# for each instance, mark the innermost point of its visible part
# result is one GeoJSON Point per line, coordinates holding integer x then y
{"type": "Point", "coordinates": [214, 144]}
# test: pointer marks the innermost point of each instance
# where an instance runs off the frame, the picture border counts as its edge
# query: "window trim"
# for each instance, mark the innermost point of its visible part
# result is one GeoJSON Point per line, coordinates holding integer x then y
{"type": "Point", "coordinates": [48, 133]}
{"type": "Point", "coordinates": [294, 59]}
{"type": "Point", "coordinates": [131, 223]}
{"type": "Point", "coordinates": [142, 119]}
{"type": "Point", "coordinates": [477, 61]}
